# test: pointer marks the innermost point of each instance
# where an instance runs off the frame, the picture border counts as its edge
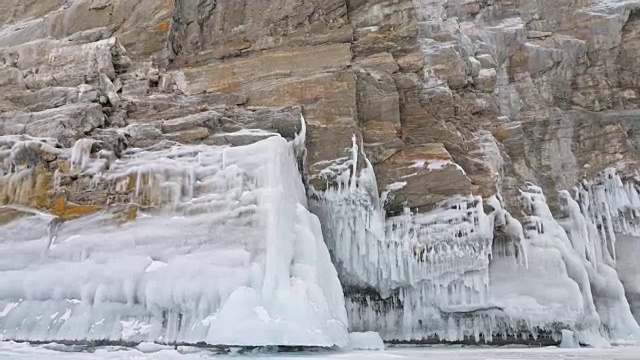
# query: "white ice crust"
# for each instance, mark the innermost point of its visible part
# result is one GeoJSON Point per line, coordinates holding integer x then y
{"type": "Point", "coordinates": [233, 257]}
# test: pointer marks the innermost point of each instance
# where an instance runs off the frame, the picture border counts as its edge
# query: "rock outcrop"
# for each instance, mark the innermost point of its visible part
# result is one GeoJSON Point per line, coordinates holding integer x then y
{"type": "Point", "coordinates": [461, 104]}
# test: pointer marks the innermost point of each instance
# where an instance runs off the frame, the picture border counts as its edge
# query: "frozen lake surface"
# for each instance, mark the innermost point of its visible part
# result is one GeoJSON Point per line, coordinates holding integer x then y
{"type": "Point", "coordinates": [11, 351]}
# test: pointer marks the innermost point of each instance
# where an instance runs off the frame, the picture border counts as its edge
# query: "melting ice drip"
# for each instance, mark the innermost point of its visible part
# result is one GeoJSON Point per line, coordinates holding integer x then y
{"type": "Point", "coordinates": [457, 273]}
{"type": "Point", "coordinates": [232, 256]}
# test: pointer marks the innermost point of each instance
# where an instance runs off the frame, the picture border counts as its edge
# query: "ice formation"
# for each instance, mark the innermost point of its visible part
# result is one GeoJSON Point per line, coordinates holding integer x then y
{"type": "Point", "coordinates": [230, 255]}
{"type": "Point", "coordinates": [404, 275]}
{"type": "Point", "coordinates": [457, 273]}
{"type": "Point", "coordinates": [569, 340]}
{"type": "Point", "coordinates": [225, 249]}
{"type": "Point", "coordinates": [365, 341]}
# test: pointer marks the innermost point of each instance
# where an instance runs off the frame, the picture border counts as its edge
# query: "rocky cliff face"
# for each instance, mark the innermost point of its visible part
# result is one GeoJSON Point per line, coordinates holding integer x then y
{"type": "Point", "coordinates": [469, 117]}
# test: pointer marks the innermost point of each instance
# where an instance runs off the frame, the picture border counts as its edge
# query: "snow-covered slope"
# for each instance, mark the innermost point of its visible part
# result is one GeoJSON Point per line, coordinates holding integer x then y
{"type": "Point", "coordinates": [233, 257]}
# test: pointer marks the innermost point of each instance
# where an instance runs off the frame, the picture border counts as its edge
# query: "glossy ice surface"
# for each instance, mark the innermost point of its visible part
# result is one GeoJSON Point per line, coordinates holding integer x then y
{"type": "Point", "coordinates": [13, 351]}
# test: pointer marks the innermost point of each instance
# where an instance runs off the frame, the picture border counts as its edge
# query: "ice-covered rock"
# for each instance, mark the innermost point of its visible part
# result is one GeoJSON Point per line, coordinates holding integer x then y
{"type": "Point", "coordinates": [230, 256]}
{"type": "Point", "coordinates": [468, 270]}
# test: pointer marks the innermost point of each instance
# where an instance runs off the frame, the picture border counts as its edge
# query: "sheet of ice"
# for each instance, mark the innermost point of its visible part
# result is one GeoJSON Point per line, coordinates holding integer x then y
{"type": "Point", "coordinates": [232, 257]}
{"type": "Point", "coordinates": [13, 351]}
{"type": "Point", "coordinates": [576, 247]}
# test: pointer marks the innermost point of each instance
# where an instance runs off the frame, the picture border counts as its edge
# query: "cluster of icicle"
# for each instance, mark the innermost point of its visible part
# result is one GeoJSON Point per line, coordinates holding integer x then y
{"type": "Point", "coordinates": [458, 274]}
{"type": "Point", "coordinates": [229, 256]}
{"type": "Point", "coordinates": [430, 263]}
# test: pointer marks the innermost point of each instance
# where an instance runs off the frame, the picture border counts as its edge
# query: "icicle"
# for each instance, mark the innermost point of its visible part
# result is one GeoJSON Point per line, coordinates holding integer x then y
{"type": "Point", "coordinates": [80, 155]}
{"type": "Point", "coordinates": [354, 164]}
{"type": "Point", "coordinates": [437, 260]}
{"type": "Point", "coordinates": [300, 139]}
